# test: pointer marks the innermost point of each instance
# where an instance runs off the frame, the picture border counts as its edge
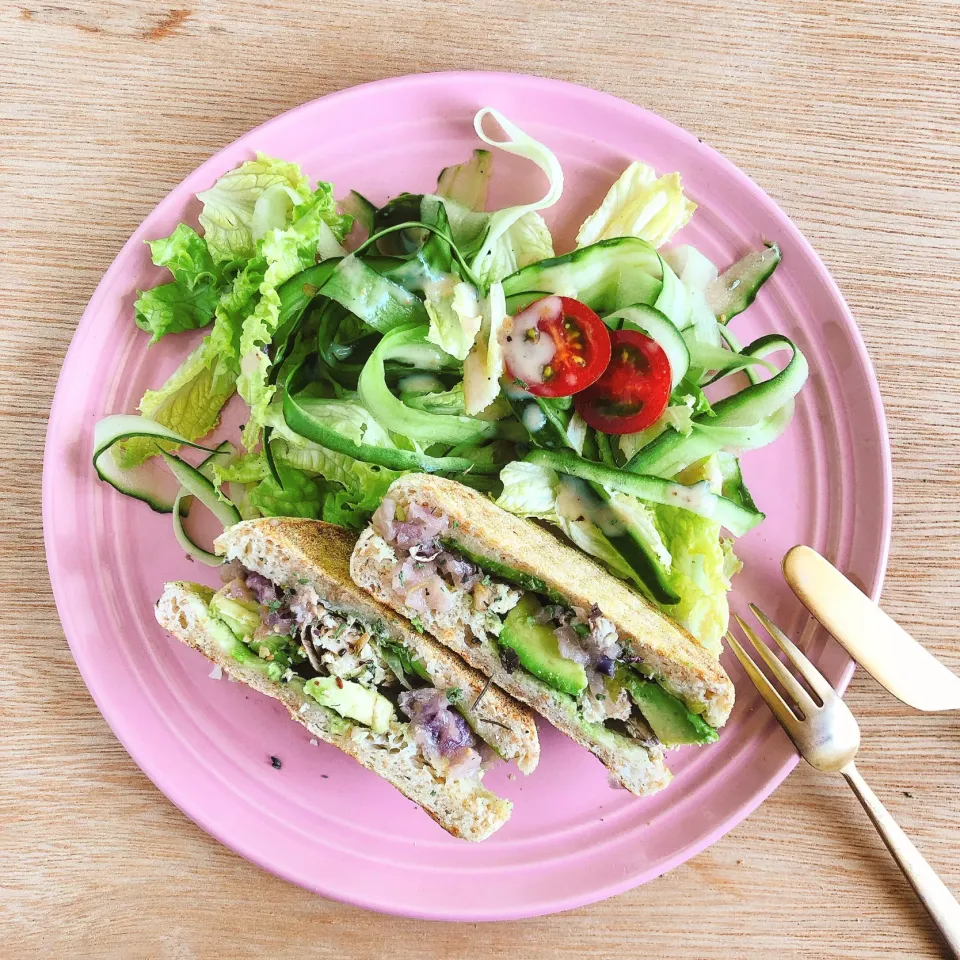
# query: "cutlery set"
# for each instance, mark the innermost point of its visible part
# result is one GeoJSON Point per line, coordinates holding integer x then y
{"type": "Point", "coordinates": [821, 725]}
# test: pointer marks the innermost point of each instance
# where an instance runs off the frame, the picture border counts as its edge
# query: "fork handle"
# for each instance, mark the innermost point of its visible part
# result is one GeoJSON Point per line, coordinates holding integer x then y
{"type": "Point", "coordinates": [932, 891]}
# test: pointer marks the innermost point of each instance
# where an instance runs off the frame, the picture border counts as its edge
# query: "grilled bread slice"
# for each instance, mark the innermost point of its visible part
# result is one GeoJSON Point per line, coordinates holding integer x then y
{"type": "Point", "coordinates": [291, 551]}
{"type": "Point", "coordinates": [463, 808]}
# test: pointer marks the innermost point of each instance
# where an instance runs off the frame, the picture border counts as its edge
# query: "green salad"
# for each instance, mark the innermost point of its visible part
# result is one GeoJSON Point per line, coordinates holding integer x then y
{"type": "Point", "coordinates": [429, 334]}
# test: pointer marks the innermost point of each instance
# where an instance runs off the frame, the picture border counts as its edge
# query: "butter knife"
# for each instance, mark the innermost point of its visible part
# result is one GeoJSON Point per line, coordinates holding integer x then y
{"type": "Point", "coordinates": [883, 648]}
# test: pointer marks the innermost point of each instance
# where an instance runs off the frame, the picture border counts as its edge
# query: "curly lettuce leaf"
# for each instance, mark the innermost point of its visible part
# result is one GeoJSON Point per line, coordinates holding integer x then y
{"type": "Point", "coordinates": [185, 254]}
{"type": "Point", "coordinates": [173, 308]}
{"type": "Point", "coordinates": [189, 402]}
{"type": "Point", "coordinates": [188, 302]}
{"type": "Point", "coordinates": [639, 204]}
{"type": "Point", "coordinates": [228, 206]}
{"type": "Point", "coordinates": [284, 253]}
{"type": "Point", "coordinates": [300, 496]}
{"type": "Point", "coordinates": [365, 483]}
{"type": "Point", "coordinates": [529, 490]}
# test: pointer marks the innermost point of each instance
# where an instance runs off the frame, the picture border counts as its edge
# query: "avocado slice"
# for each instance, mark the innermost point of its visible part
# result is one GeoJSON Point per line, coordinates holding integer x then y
{"type": "Point", "coordinates": [536, 646]}
{"type": "Point", "coordinates": [241, 616]}
{"type": "Point", "coordinates": [352, 700]}
{"type": "Point", "coordinates": [669, 718]}
{"type": "Point", "coordinates": [501, 571]}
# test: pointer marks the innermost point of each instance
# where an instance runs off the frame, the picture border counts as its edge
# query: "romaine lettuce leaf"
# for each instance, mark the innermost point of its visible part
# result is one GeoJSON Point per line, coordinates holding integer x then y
{"type": "Point", "coordinates": [703, 563]}
{"type": "Point", "coordinates": [526, 241]}
{"type": "Point", "coordinates": [483, 367]}
{"type": "Point", "coordinates": [639, 204]}
{"type": "Point", "coordinates": [455, 316]}
{"type": "Point", "coordinates": [189, 402]}
{"type": "Point", "coordinates": [228, 206]}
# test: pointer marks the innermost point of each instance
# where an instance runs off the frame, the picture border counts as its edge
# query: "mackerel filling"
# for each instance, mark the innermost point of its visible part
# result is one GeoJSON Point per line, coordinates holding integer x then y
{"type": "Point", "coordinates": [349, 668]}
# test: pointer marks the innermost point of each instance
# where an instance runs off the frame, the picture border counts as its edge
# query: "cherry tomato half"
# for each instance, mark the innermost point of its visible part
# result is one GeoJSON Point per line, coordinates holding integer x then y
{"type": "Point", "coordinates": [634, 389]}
{"type": "Point", "coordinates": [556, 347]}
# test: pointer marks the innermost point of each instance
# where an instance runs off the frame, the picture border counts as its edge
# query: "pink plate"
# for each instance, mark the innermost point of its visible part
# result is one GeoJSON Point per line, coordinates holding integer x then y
{"type": "Point", "coordinates": [322, 821]}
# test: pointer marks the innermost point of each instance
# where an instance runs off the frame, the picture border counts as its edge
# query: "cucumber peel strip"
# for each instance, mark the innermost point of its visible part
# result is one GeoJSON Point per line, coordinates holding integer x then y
{"type": "Point", "coordinates": [395, 416]}
{"type": "Point", "coordinates": [745, 420]}
{"type": "Point", "coordinates": [122, 426]}
{"type": "Point", "coordinates": [195, 484]}
{"type": "Point", "coordinates": [193, 549]}
{"type": "Point", "coordinates": [660, 328]}
{"type": "Point", "coordinates": [301, 422]}
{"type": "Point", "coordinates": [697, 498]}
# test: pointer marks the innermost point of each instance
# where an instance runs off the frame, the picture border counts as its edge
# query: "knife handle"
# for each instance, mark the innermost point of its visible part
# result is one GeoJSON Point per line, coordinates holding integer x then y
{"type": "Point", "coordinates": [881, 646]}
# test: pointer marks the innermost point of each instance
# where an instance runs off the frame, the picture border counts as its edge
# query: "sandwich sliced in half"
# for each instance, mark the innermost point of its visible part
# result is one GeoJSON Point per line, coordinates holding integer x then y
{"type": "Point", "coordinates": [546, 623]}
{"type": "Point", "coordinates": [290, 623]}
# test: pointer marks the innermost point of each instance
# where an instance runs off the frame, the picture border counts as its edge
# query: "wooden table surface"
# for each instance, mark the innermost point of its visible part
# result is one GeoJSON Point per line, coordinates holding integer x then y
{"type": "Point", "coordinates": [848, 114]}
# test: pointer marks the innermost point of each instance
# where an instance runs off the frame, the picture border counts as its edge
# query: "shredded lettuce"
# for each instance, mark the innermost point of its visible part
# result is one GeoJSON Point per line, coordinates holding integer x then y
{"type": "Point", "coordinates": [639, 204]}
{"type": "Point", "coordinates": [229, 205]}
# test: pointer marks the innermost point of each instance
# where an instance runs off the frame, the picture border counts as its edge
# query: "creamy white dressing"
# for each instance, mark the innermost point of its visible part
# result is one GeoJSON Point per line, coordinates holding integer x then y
{"type": "Point", "coordinates": [420, 355]}
{"type": "Point", "coordinates": [420, 383]}
{"type": "Point", "coordinates": [576, 503]}
{"type": "Point", "coordinates": [533, 417]}
{"type": "Point", "coordinates": [527, 354]}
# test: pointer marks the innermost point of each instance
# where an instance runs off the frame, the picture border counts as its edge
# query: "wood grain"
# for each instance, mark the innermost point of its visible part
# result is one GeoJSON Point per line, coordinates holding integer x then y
{"type": "Point", "coordinates": [847, 113]}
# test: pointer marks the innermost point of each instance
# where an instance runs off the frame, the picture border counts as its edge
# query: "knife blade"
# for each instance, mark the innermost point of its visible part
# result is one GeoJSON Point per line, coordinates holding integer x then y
{"type": "Point", "coordinates": [882, 647]}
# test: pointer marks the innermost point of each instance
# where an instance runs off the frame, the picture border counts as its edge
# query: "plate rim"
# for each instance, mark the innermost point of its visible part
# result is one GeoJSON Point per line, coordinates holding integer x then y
{"type": "Point", "coordinates": [552, 904]}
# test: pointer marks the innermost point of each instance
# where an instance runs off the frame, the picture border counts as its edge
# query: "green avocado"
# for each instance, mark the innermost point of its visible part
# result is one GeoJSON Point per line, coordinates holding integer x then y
{"type": "Point", "coordinates": [352, 700]}
{"type": "Point", "coordinates": [501, 571]}
{"type": "Point", "coordinates": [536, 646]}
{"type": "Point", "coordinates": [241, 616]}
{"type": "Point", "coordinates": [669, 718]}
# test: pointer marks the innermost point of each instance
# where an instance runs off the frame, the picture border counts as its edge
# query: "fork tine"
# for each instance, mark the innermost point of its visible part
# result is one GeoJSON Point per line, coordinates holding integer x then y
{"type": "Point", "coordinates": [818, 682]}
{"type": "Point", "coordinates": [793, 686]}
{"type": "Point", "coordinates": [783, 713]}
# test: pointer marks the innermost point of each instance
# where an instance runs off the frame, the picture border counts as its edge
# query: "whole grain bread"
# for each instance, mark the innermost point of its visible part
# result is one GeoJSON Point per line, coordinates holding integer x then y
{"type": "Point", "coordinates": [667, 650]}
{"type": "Point", "coordinates": [464, 808]}
{"type": "Point", "coordinates": [292, 551]}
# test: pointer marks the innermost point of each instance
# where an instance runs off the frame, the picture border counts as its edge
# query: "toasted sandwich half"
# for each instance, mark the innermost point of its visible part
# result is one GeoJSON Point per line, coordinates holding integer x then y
{"type": "Point", "coordinates": [290, 623]}
{"type": "Point", "coordinates": [546, 623]}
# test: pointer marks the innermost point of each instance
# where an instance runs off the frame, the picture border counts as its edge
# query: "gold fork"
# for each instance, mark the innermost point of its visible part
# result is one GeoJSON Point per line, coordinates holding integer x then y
{"type": "Point", "coordinates": [827, 736]}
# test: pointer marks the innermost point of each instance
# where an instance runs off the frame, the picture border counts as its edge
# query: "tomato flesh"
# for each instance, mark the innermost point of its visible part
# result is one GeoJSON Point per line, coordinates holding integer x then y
{"type": "Point", "coordinates": [556, 347]}
{"type": "Point", "coordinates": [633, 391]}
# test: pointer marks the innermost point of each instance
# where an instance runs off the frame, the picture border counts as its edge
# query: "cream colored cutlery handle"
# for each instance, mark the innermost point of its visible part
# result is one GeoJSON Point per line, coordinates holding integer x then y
{"type": "Point", "coordinates": [932, 891]}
